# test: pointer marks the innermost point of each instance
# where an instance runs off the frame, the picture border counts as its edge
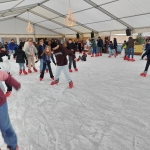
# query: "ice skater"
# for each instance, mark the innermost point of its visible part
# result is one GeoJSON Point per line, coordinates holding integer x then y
{"type": "Point", "coordinates": [61, 53]}
{"type": "Point", "coordinates": [21, 58]}
{"type": "Point", "coordinates": [112, 50]}
{"type": "Point", "coordinates": [147, 53]}
{"type": "Point", "coordinates": [47, 56]}
{"type": "Point", "coordinates": [94, 47]}
{"type": "Point", "coordinates": [124, 50]}
{"type": "Point", "coordinates": [6, 128]}
{"type": "Point", "coordinates": [83, 57]}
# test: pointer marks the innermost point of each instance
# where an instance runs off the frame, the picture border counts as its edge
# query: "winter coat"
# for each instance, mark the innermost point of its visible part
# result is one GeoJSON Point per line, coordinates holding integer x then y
{"type": "Point", "coordinates": [88, 43]}
{"type": "Point", "coordinates": [147, 46]}
{"type": "Point", "coordinates": [71, 46]}
{"type": "Point", "coordinates": [111, 46]}
{"type": "Point", "coordinates": [40, 50]}
{"type": "Point", "coordinates": [47, 59]}
{"type": "Point", "coordinates": [100, 43]}
{"type": "Point", "coordinates": [130, 43]}
{"type": "Point", "coordinates": [27, 51]}
{"type": "Point", "coordinates": [20, 56]}
{"type": "Point", "coordinates": [3, 53]}
{"type": "Point", "coordinates": [93, 44]}
{"type": "Point", "coordinates": [12, 46]}
{"type": "Point", "coordinates": [115, 45]}
{"type": "Point", "coordinates": [26, 44]}
{"type": "Point", "coordinates": [147, 53]}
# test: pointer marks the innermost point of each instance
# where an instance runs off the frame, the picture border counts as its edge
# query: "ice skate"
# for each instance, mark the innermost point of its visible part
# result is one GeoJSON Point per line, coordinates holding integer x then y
{"type": "Point", "coordinates": [109, 56]}
{"type": "Point", "coordinates": [20, 72]}
{"type": "Point", "coordinates": [46, 71]}
{"type": "Point", "coordinates": [24, 71]}
{"type": "Point", "coordinates": [54, 82]}
{"type": "Point", "coordinates": [8, 93]}
{"type": "Point", "coordinates": [143, 74]}
{"type": "Point", "coordinates": [41, 79]}
{"type": "Point", "coordinates": [9, 148]}
{"type": "Point", "coordinates": [29, 71]}
{"type": "Point", "coordinates": [70, 70]}
{"type": "Point", "coordinates": [132, 60]}
{"type": "Point", "coordinates": [35, 70]}
{"type": "Point", "coordinates": [71, 84]}
{"type": "Point", "coordinates": [100, 55]}
{"type": "Point", "coordinates": [52, 78]}
{"type": "Point", "coordinates": [76, 69]}
{"type": "Point", "coordinates": [92, 55]}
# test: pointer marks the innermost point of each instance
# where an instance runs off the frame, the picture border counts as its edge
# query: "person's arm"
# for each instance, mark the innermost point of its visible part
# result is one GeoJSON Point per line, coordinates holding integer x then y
{"type": "Point", "coordinates": [67, 52]}
{"type": "Point", "coordinates": [53, 59]}
{"type": "Point", "coordinates": [39, 52]}
{"type": "Point", "coordinates": [27, 51]}
{"type": "Point", "coordinates": [15, 54]}
{"type": "Point", "coordinates": [147, 51]}
{"type": "Point", "coordinates": [123, 45]}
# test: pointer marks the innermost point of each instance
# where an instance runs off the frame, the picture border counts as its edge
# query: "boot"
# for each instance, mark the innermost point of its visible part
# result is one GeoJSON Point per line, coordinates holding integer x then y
{"type": "Point", "coordinates": [100, 54]}
{"type": "Point", "coordinates": [46, 71]}
{"type": "Point", "coordinates": [35, 70]}
{"type": "Point", "coordinates": [41, 79]}
{"type": "Point", "coordinates": [9, 148]}
{"type": "Point", "coordinates": [132, 60]}
{"type": "Point", "coordinates": [125, 58]}
{"type": "Point", "coordinates": [20, 72]}
{"type": "Point", "coordinates": [52, 78]}
{"type": "Point", "coordinates": [70, 70]}
{"type": "Point", "coordinates": [128, 59]}
{"type": "Point", "coordinates": [89, 53]}
{"type": "Point", "coordinates": [54, 82]}
{"type": "Point", "coordinates": [109, 56]}
{"type": "Point", "coordinates": [92, 55]}
{"type": "Point", "coordinates": [143, 74]}
{"type": "Point", "coordinates": [24, 71]}
{"type": "Point", "coordinates": [71, 84]}
{"type": "Point", "coordinates": [8, 93]}
{"type": "Point", "coordinates": [76, 69]}
{"type": "Point", "coordinates": [29, 71]}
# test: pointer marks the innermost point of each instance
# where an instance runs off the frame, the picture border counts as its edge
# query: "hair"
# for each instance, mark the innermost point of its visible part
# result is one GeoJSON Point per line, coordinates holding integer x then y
{"type": "Point", "coordinates": [12, 39]}
{"type": "Point", "coordinates": [125, 41]}
{"type": "Point", "coordinates": [130, 38]}
{"type": "Point", "coordinates": [30, 40]}
{"type": "Point", "coordinates": [41, 40]}
{"type": "Point", "coordinates": [70, 40]}
{"type": "Point", "coordinates": [111, 42]}
{"type": "Point", "coordinates": [45, 52]}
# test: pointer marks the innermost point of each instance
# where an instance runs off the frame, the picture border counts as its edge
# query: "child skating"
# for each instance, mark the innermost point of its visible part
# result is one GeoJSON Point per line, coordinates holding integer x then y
{"type": "Point", "coordinates": [83, 57]}
{"type": "Point", "coordinates": [20, 57]}
{"type": "Point", "coordinates": [47, 56]}
{"type": "Point", "coordinates": [147, 53]}
{"type": "Point", "coordinates": [112, 50]}
{"type": "Point", "coordinates": [61, 53]}
{"type": "Point", "coordinates": [6, 128]}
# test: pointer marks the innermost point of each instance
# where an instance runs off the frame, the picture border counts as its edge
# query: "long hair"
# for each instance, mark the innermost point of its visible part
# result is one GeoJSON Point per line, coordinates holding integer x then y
{"type": "Point", "coordinates": [45, 52]}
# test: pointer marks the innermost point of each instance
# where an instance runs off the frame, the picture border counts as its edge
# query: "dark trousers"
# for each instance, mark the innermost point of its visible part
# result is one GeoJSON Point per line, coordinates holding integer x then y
{"type": "Point", "coordinates": [147, 65]}
{"type": "Point", "coordinates": [70, 62]}
{"type": "Point", "coordinates": [9, 88]}
{"type": "Point", "coordinates": [80, 49]}
{"type": "Point", "coordinates": [49, 68]}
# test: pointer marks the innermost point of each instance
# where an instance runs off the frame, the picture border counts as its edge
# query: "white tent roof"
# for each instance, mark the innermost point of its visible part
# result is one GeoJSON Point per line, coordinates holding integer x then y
{"type": "Point", "coordinates": [99, 16]}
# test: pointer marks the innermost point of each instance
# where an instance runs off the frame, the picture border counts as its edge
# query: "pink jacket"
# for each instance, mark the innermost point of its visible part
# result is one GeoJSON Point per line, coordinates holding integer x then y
{"type": "Point", "coordinates": [10, 81]}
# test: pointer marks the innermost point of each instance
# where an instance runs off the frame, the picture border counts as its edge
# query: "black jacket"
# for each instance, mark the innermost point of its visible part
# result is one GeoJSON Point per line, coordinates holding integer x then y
{"type": "Point", "coordinates": [20, 56]}
{"type": "Point", "coordinates": [3, 53]}
{"type": "Point", "coordinates": [100, 43]}
{"type": "Point", "coordinates": [147, 53]}
{"type": "Point", "coordinates": [40, 51]}
{"type": "Point", "coordinates": [71, 46]}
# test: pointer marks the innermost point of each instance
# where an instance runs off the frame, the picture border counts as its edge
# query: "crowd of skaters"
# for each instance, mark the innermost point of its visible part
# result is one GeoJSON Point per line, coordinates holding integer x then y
{"type": "Point", "coordinates": [27, 53]}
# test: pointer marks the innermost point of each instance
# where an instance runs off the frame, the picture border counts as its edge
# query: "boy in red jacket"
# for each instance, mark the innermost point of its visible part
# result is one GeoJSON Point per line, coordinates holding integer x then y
{"type": "Point", "coordinates": [6, 128]}
{"type": "Point", "coordinates": [61, 53]}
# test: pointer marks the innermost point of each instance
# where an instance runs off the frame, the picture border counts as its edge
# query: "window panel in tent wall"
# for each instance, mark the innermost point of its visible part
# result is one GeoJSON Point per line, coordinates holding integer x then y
{"type": "Point", "coordinates": [44, 12]}
{"type": "Point", "coordinates": [50, 25]}
{"type": "Point", "coordinates": [90, 16]}
{"type": "Point", "coordinates": [65, 31]}
{"type": "Point", "coordinates": [29, 2]}
{"type": "Point", "coordinates": [100, 2]}
{"type": "Point", "coordinates": [8, 5]}
{"type": "Point", "coordinates": [122, 8]}
{"type": "Point", "coordinates": [107, 26]}
{"type": "Point", "coordinates": [62, 6]}
{"type": "Point", "coordinates": [138, 21]}
{"type": "Point", "coordinates": [32, 17]}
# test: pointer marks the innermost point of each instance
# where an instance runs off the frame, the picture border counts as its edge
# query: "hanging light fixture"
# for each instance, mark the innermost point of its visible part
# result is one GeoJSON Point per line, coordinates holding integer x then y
{"type": "Point", "coordinates": [70, 20]}
{"type": "Point", "coordinates": [29, 28]}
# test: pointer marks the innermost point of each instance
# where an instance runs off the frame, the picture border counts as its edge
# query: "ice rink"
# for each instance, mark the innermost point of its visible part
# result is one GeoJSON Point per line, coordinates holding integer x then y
{"type": "Point", "coordinates": [108, 108]}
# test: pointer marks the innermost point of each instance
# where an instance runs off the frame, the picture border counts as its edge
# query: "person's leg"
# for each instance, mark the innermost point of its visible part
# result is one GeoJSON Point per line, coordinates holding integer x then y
{"type": "Point", "coordinates": [9, 88]}
{"type": "Point", "coordinates": [58, 71]}
{"type": "Point", "coordinates": [29, 63]}
{"type": "Point", "coordinates": [147, 66]}
{"type": "Point", "coordinates": [33, 63]}
{"type": "Point", "coordinates": [6, 128]}
{"type": "Point", "coordinates": [74, 63]}
{"type": "Point", "coordinates": [20, 67]}
{"type": "Point", "coordinates": [23, 66]}
{"type": "Point", "coordinates": [70, 61]}
{"type": "Point", "coordinates": [67, 74]}
{"type": "Point", "coordinates": [43, 71]}
{"type": "Point", "coordinates": [114, 52]}
{"type": "Point", "coordinates": [132, 52]}
{"type": "Point", "coordinates": [50, 70]}
{"type": "Point", "coordinates": [41, 65]}
{"type": "Point", "coordinates": [129, 51]}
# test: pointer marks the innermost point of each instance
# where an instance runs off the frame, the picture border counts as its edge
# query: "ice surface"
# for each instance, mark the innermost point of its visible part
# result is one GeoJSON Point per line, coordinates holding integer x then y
{"type": "Point", "coordinates": [108, 108]}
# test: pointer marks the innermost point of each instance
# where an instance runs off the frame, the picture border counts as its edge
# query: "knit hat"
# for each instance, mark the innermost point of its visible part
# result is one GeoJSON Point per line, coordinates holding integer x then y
{"type": "Point", "coordinates": [53, 44]}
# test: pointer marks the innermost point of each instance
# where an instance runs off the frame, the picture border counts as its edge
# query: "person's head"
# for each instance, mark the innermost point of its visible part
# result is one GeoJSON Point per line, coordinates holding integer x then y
{"type": "Point", "coordinates": [6, 43]}
{"type": "Point", "coordinates": [30, 42]}
{"type": "Point", "coordinates": [99, 37]}
{"type": "Point", "coordinates": [125, 41]}
{"type": "Point", "coordinates": [12, 40]}
{"type": "Point", "coordinates": [70, 41]}
{"type": "Point", "coordinates": [54, 45]}
{"type": "Point", "coordinates": [111, 42]}
{"type": "Point", "coordinates": [41, 42]}
{"type": "Point", "coordinates": [47, 51]}
{"type": "Point", "coordinates": [148, 41]}
{"type": "Point", "coordinates": [130, 38]}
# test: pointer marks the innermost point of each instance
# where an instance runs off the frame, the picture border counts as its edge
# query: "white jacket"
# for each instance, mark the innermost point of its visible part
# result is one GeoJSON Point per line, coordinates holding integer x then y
{"type": "Point", "coordinates": [5, 65]}
{"type": "Point", "coordinates": [88, 43]}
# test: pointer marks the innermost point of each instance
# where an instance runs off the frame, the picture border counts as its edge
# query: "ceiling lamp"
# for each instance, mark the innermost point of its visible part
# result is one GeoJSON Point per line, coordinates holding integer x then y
{"type": "Point", "coordinates": [29, 28]}
{"type": "Point", "coordinates": [70, 20]}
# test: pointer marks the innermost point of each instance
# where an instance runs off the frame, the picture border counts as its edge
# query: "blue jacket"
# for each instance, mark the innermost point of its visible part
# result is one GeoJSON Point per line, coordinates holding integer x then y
{"type": "Point", "coordinates": [11, 46]}
{"type": "Point", "coordinates": [100, 43]}
{"type": "Point", "coordinates": [111, 46]}
{"type": "Point", "coordinates": [147, 53]}
{"type": "Point", "coordinates": [147, 46]}
{"type": "Point", "coordinates": [47, 59]}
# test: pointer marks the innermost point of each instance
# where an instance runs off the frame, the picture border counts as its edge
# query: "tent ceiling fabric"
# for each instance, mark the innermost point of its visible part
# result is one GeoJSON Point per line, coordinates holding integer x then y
{"type": "Point", "coordinates": [91, 15]}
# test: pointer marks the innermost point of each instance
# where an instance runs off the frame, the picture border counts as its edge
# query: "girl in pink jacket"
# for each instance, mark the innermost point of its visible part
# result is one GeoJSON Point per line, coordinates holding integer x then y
{"type": "Point", "coordinates": [6, 128]}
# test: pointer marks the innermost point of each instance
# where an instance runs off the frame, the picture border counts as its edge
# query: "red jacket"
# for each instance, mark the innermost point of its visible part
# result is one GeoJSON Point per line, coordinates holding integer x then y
{"type": "Point", "coordinates": [12, 82]}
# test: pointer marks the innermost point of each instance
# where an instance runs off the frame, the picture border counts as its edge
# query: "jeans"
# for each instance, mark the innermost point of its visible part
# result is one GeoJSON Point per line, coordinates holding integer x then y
{"type": "Point", "coordinates": [99, 50]}
{"type": "Point", "coordinates": [112, 51]}
{"type": "Point", "coordinates": [41, 65]}
{"type": "Point", "coordinates": [94, 50]}
{"type": "Point", "coordinates": [31, 61]}
{"type": "Point", "coordinates": [65, 70]}
{"type": "Point", "coordinates": [21, 65]}
{"type": "Point", "coordinates": [6, 128]}
{"type": "Point", "coordinates": [70, 62]}
{"type": "Point", "coordinates": [11, 52]}
{"type": "Point", "coordinates": [147, 66]}
{"type": "Point", "coordinates": [131, 51]}
{"type": "Point", "coordinates": [49, 68]}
